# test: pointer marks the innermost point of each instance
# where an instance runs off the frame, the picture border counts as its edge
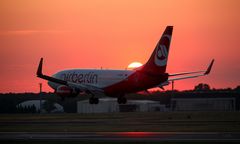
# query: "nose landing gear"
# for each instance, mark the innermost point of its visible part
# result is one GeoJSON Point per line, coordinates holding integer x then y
{"type": "Point", "coordinates": [93, 100]}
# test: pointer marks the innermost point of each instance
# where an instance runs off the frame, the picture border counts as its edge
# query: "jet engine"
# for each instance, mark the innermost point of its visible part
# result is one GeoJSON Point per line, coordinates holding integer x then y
{"type": "Point", "coordinates": [65, 91]}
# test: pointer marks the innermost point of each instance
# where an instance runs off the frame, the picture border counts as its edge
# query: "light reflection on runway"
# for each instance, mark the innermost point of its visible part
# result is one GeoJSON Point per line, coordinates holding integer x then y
{"type": "Point", "coordinates": [136, 134]}
{"type": "Point", "coordinates": [142, 134]}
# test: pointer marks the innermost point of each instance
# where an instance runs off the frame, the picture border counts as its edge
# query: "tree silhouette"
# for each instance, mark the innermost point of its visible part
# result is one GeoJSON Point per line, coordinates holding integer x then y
{"type": "Point", "coordinates": [237, 88]}
{"type": "Point", "coordinates": [202, 87]}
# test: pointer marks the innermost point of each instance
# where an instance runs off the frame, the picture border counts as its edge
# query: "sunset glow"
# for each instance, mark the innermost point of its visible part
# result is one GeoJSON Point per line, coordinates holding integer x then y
{"type": "Point", "coordinates": [112, 33]}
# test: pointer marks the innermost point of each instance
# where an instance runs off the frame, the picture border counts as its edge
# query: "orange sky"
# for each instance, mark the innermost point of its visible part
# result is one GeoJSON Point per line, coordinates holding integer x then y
{"type": "Point", "coordinates": [112, 34]}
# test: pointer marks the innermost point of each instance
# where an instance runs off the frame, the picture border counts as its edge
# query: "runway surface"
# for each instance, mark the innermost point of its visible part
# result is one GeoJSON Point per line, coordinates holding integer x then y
{"type": "Point", "coordinates": [208, 126]}
{"type": "Point", "coordinates": [122, 136]}
{"type": "Point", "coordinates": [115, 122]}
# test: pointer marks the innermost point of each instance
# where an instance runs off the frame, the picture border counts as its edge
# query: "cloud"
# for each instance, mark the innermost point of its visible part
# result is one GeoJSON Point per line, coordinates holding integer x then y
{"type": "Point", "coordinates": [30, 32]}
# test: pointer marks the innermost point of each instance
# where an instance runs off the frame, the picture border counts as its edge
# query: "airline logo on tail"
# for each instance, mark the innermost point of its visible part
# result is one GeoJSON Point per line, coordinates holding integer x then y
{"type": "Point", "coordinates": [161, 53]}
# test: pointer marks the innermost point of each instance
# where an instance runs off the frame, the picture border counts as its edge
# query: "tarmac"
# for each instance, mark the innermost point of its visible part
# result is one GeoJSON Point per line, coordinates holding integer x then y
{"type": "Point", "coordinates": [124, 136]}
{"type": "Point", "coordinates": [140, 127]}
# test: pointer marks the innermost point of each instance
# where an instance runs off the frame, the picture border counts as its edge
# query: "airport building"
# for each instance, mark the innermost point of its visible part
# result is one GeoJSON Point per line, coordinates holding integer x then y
{"type": "Point", "coordinates": [57, 108]}
{"type": "Point", "coordinates": [180, 101]}
{"type": "Point", "coordinates": [203, 102]}
{"type": "Point", "coordinates": [106, 105]}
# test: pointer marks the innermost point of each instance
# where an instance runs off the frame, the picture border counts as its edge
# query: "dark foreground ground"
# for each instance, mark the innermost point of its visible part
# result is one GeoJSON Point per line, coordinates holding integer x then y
{"type": "Point", "coordinates": [166, 127]}
{"type": "Point", "coordinates": [117, 122]}
{"type": "Point", "coordinates": [104, 142]}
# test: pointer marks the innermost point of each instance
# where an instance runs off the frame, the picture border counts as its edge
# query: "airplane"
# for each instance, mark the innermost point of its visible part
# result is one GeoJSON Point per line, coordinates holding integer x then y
{"type": "Point", "coordinates": [118, 83]}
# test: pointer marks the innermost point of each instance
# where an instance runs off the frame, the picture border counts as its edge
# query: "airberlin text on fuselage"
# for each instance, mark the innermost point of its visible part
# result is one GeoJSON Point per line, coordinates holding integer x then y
{"type": "Point", "coordinates": [81, 78]}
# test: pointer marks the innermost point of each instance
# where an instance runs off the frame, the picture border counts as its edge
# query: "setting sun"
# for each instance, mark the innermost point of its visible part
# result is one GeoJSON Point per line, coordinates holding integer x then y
{"type": "Point", "coordinates": [134, 65]}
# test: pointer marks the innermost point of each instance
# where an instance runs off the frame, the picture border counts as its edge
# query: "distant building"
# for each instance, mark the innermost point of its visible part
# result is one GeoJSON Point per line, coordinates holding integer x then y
{"type": "Point", "coordinates": [106, 105]}
{"type": "Point", "coordinates": [142, 106]}
{"type": "Point", "coordinates": [36, 103]}
{"type": "Point", "coordinates": [203, 104]}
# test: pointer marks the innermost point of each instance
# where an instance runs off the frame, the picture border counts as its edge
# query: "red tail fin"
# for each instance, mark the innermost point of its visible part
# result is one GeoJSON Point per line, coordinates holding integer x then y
{"type": "Point", "coordinates": [158, 61]}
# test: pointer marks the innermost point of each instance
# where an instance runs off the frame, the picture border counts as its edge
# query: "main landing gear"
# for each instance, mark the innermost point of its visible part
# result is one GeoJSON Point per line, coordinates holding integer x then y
{"type": "Point", "coordinates": [93, 100]}
{"type": "Point", "coordinates": [122, 100]}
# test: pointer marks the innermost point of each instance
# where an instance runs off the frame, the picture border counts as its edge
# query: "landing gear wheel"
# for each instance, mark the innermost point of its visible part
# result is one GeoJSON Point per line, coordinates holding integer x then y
{"type": "Point", "coordinates": [122, 100]}
{"type": "Point", "coordinates": [91, 100]}
{"type": "Point", "coordinates": [119, 101]}
{"type": "Point", "coordinates": [96, 100]}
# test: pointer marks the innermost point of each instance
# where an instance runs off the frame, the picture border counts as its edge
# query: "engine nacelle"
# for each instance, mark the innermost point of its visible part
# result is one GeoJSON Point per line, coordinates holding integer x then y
{"type": "Point", "coordinates": [65, 91]}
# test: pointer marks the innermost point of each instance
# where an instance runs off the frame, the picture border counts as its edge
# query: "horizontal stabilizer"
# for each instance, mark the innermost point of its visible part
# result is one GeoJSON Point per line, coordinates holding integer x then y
{"type": "Point", "coordinates": [191, 74]}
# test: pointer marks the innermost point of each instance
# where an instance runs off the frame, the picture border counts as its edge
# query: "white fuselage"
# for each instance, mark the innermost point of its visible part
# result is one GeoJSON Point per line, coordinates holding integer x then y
{"type": "Point", "coordinates": [93, 77]}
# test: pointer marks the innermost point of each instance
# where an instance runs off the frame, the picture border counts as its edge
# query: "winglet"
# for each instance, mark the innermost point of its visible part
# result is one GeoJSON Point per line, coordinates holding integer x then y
{"type": "Point", "coordinates": [46, 77]}
{"type": "Point", "coordinates": [39, 71]}
{"type": "Point", "coordinates": [209, 68]}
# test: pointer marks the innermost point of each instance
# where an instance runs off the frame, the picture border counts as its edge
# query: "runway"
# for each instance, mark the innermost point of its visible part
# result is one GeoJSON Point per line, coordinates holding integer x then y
{"type": "Point", "coordinates": [123, 136]}
{"type": "Point", "coordinates": [122, 127]}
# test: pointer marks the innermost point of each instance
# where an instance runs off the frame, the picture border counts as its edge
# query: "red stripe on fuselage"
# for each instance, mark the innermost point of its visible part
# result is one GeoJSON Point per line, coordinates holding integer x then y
{"type": "Point", "coordinates": [138, 81]}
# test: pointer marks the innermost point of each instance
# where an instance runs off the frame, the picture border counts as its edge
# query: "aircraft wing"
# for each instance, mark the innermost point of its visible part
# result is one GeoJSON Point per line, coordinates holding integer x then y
{"type": "Point", "coordinates": [186, 75]}
{"type": "Point", "coordinates": [81, 87]}
{"type": "Point", "coordinates": [180, 76]}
